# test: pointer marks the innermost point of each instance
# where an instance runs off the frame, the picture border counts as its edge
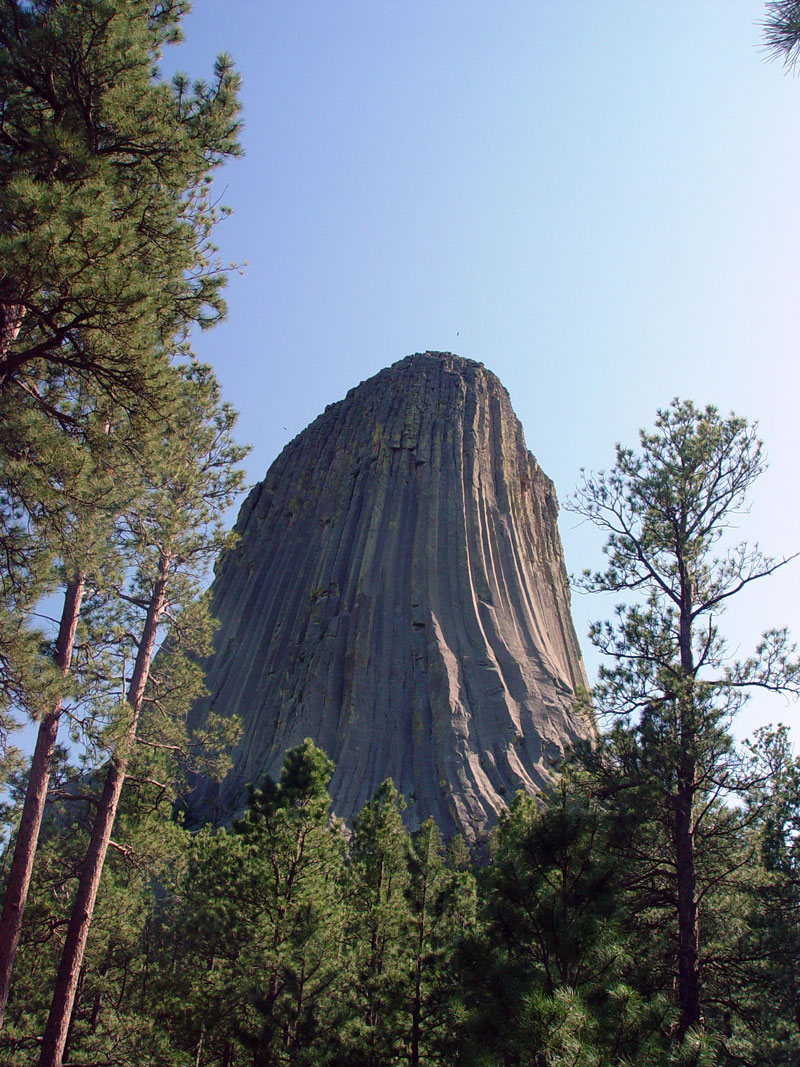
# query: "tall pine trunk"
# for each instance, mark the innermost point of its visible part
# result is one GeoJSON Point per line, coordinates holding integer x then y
{"type": "Point", "coordinates": [55, 1034]}
{"type": "Point", "coordinates": [11, 316]}
{"type": "Point", "coordinates": [688, 919]}
{"type": "Point", "coordinates": [691, 1013]}
{"type": "Point", "coordinates": [35, 797]}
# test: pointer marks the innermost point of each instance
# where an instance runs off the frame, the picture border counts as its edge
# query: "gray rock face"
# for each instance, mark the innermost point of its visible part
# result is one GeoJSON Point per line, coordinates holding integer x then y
{"type": "Point", "coordinates": [399, 595]}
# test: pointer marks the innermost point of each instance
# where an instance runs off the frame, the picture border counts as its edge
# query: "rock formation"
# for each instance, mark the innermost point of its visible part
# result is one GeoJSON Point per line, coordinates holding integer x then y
{"type": "Point", "coordinates": [398, 594]}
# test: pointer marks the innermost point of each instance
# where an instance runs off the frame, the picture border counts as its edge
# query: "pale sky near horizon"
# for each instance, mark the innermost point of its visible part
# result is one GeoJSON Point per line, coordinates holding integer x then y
{"type": "Point", "coordinates": [599, 201]}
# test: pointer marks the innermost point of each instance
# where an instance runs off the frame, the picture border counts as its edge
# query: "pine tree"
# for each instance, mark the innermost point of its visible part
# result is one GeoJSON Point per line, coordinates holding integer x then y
{"type": "Point", "coordinates": [782, 30]}
{"type": "Point", "coordinates": [381, 930]}
{"type": "Point", "coordinates": [545, 976]}
{"type": "Point", "coordinates": [113, 1016]}
{"type": "Point", "coordinates": [442, 904]}
{"type": "Point", "coordinates": [169, 536]}
{"type": "Point", "coordinates": [287, 831]}
{"type": "Point", "coordinates": [258, 927]}
{"type": "Point", "coordinates": [105, 264]}
{"type": "Point", "coordinates": [77, 529]}
{"type": "Point", "coordinates": [671, 683]}
{"type": "Point", "coordinates": [104, 170]}
{"type": "Point", "coordinates": [765, 1018]}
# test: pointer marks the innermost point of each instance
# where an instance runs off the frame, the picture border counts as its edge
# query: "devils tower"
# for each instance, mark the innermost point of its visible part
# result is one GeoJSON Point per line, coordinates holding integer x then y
{"type": "Point", "coordinates": [398, 593]}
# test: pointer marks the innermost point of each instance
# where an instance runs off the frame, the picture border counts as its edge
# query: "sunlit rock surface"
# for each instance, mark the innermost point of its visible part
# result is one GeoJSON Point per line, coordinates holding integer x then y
{"type": "Point", "coordinates": [399, 595]}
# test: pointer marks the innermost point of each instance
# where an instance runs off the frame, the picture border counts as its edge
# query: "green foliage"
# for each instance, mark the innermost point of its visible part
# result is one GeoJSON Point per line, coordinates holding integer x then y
{"type": "Point", "coordinates": [381, 919]}
{"type": "Point", "coordinates": [258, 925]}
{"type": "Point", "coordinates": [113, 1016]}
{"type": "Point", "coordinates": [442, 903]}
{"type": "Point", "coordinates": [170, 530]}
{"type": "Point", "coordinates": [271, 944]}
{"type": "Point", "coordinates": [409, 910]}
{"type": "Point", "coordinates": [547, 974]}
{"type": "Point", "coordinates": [765, 1017]}
{"type": "Point", "coordinates": [782, 31]}
{"type": "Point", "coordinates": [105, 169]}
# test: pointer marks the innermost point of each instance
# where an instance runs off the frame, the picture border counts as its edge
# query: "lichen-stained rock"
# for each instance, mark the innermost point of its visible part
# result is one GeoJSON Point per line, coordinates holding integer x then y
{"type": "Point", "coordinates": [399, 595]}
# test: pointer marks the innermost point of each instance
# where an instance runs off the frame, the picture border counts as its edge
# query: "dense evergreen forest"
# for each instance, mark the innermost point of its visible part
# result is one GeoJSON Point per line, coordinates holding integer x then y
{"type": "Point", "coordinates": [644, 910]}
{"type": "Point", "coordinates": [282, 940]}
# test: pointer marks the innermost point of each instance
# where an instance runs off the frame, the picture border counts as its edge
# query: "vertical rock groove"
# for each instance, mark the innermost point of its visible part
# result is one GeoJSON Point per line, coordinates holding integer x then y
{"type": "Point", "coordinates": [399, 594]}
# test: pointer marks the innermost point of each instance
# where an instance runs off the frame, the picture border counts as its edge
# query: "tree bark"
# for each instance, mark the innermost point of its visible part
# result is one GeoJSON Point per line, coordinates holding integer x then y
{"type": "Point", "coordinates": [688, 919]}
{"type": "Point", "coordinates": [74, 1012]}
{"type": "Point", "coordinates": [691, 1013]}
{"type": "Point", "coordinates": [35, 797]}
{"type": "Point", "coordinates": [81, 918]}
{"type": "Point", "coordinates": [11, 316]}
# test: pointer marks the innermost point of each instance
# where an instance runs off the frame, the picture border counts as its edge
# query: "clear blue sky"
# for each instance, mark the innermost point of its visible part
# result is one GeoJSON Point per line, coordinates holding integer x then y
{"type": "Point", "coordinates": [599, 201]}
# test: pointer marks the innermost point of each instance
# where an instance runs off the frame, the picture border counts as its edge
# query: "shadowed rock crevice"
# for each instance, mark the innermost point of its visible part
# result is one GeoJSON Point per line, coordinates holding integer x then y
{"type": "Point", "coordinates": [399, 594]}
